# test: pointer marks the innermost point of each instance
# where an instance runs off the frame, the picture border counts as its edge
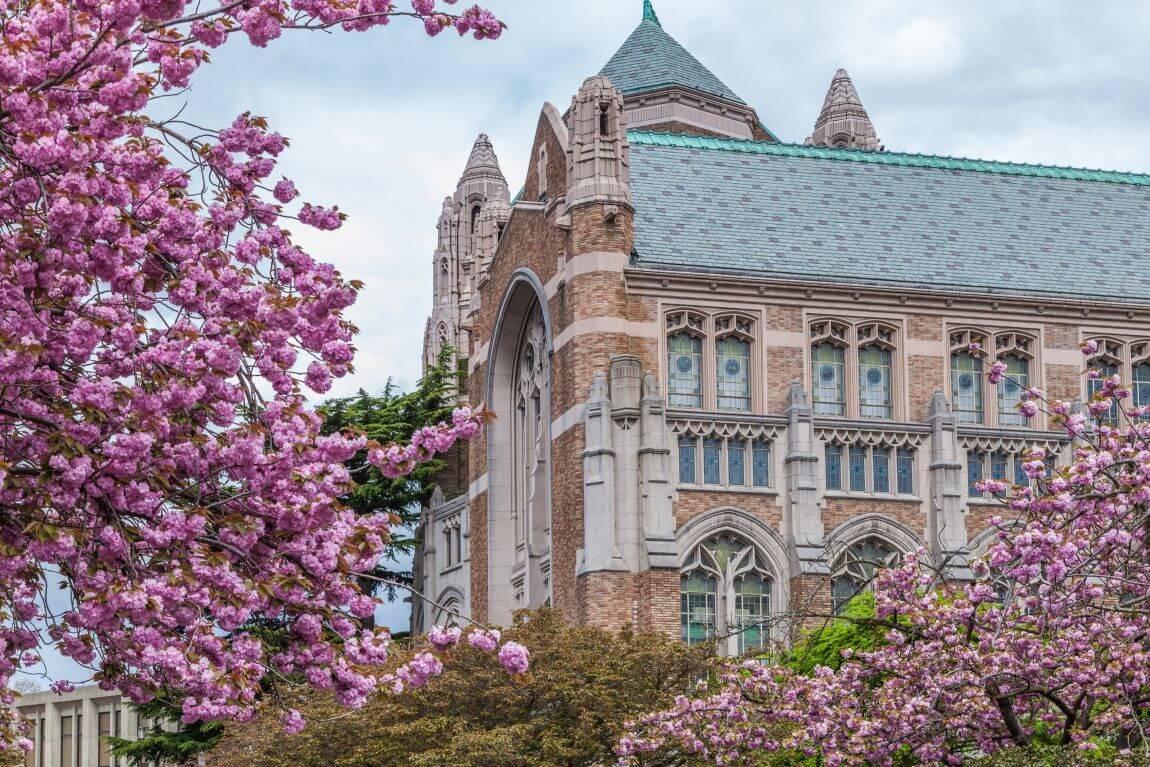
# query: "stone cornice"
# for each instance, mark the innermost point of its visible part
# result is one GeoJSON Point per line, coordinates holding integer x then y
{"type": "Point", "coordinates": [776, 290]}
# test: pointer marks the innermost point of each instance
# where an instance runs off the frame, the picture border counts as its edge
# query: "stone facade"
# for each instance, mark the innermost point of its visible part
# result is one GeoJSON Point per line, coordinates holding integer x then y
{"type": "Point", "coordinates": [700, 451]}
{"type": "Point", "coordinates": [68, 729]}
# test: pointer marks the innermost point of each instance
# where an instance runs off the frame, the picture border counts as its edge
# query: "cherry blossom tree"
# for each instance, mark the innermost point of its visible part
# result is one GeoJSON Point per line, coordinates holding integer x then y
{"type": "Point", "coordinates": [159, 331]}
{"type": "Point", "coordinates": [1050, 641]}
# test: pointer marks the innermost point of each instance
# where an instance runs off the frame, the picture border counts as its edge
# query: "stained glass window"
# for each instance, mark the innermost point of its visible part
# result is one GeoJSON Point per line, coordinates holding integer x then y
{"type": "Point", "coordinates": [685, 366]}
{"type": "Point", "coordinates": [1141, 380]}
{"type": "Point", "coordinates": [834, 467]}
{"type": "Point", "coordinates": [974, 472]}
{"type": "Point", "coordinates": [712, 451]}
{"type": "Point", "coordinates": [905, 459]}
{"type": "Point", "coordinates": [880, 464]}
{"type": "Point", "coordinates": [874, 383]}
{"type": "Point", "coordinates": [966, 387]}
{"type": "Point", "coordinates": [761, 467]}
{"type": "Point", "coordinates": [697, 598]}
{"type": "Point", "coordinates": [1010, 391]}
{"type": "Point", "coordinates": [858, 468]}
{"type": "Point", "coordinates": [752, 608]}
{"type": "Point", "coordinates": [827, 364]}
{"type": "Point", "coordinates": [1142, 385]}
{"type": "Point", "coordinates": [1020, 477]}
{"type": "Point", "coordinates": [999, 463]}
{"type": "Point", "coordinates": [1106, 369]}
{"type": "Point", "coordinates": [687, 460]}
{"type": "Point", "coordinates": [736, 462]}
{"type": "Point", "coordinates": [732, 357]}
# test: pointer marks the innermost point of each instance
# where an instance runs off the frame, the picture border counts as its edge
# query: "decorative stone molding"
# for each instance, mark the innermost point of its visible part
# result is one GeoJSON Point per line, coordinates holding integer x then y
{"type": "Point", "coordinates": [865, 526]}
{"type": "Point", "coordinates": [1010, 440]}
{"type": "Point", "coordinates": [871, 433]}
{"type": "Point", "coordinates": [724, 425]}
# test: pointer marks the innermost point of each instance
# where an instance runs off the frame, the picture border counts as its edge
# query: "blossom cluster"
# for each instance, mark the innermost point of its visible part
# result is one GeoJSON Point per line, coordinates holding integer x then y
{"type": "Point", "coordinates": [1050, 635]}
{"type": "Point", "coordinates": [159, 332]}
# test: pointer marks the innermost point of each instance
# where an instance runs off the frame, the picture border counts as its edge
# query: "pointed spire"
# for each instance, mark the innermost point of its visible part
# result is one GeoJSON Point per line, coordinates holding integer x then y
{"type": "Point", "coordinates": [482, 161]}
{"type": "Point", "coordinates": [843, 122]}
{"type": "Point", "coordinates": [649, 13]}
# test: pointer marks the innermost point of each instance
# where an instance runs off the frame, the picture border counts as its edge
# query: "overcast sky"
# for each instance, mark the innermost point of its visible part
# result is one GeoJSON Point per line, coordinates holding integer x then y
{"type": "Point", "coordinates": [381, 122]}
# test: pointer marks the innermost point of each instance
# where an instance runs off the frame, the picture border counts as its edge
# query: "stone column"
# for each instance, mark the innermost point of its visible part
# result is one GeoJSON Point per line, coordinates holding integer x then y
{"type": "Point", "coordinates": [89, 733]}
{"type": "Point", "coordinates": [626, 392]}
{"type": "Point", "coordinates": [599, 547]}
{"type": "Point", "coordinates": [655, 489]}
{"type": "Point", "coordinates": [946, 524]}
{"type": "Point", "coordinates": [803, 521]}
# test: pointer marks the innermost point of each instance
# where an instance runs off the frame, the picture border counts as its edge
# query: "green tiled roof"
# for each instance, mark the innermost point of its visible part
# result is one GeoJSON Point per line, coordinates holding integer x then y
{"type": "Point", "coordinates": [650, 58]}
{"type": "Point", "coordinates": [782, 210]}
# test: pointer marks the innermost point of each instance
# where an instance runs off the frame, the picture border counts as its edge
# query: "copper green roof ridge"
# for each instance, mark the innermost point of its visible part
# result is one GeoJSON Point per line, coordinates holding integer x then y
{"type": "Point", "coordinates": [905, 159]}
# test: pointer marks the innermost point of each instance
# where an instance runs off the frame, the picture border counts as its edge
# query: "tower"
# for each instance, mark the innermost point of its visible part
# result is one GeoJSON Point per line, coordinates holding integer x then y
{"type": "Point", "coordinates": [843, 122]}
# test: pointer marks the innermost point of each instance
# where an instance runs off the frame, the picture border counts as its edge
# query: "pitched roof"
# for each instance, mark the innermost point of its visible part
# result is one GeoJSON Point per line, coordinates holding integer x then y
{"type": "Point", "coordinates": [650, 58]}
{"type": "Point", "coordinates": [482, 160]}
{"type": "Point", "coordinates": [785, 210]}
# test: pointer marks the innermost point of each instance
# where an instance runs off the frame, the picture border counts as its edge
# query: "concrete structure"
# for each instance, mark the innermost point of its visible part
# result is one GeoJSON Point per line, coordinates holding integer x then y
{"type": "Point", "coordinates": [68, 730]}
{"type": "Point", "coordinates": [732, 376]}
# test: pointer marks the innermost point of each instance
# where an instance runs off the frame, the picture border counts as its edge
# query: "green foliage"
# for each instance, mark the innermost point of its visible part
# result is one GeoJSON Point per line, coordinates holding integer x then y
{"type": "Point", "coordinates": [569, 709]}
{"type": "Point", "coordinates": [166, 742]}
{"type": "Point", "coordinates": [853, 630]}
{"type": "Point", "coordinates": [1051, 755]}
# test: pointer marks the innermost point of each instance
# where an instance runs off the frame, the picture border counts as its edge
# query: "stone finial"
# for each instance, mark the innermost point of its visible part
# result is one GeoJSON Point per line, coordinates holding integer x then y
{"type": "Point", "coordinates": [598, 155]}
{"type": "Point", "coordinates": [482, 163]}
{"type": "Point", "coordinates": [938, 403]}
{"type": "Point", "coordinates": [649, 13]}
{"type": "Point", "coordinates": [797, 395]}
{"type": "Point", "coordinates": [843, 122]}
{"type": "Point", "coordinates": [599, 392]}
{"type": "Point", "coordinates": [651, 387]}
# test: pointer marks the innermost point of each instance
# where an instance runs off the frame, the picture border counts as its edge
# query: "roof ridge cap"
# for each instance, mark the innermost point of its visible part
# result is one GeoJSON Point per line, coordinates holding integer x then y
{"type": "Point", "coordinates": [917, 159]}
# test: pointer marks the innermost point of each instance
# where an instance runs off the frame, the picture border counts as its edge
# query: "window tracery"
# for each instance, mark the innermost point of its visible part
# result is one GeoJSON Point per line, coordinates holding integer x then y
{"type": "Point", "coordinates": [856, 567]}
{"type": "Point", "coordinates": [866, 348]}
{"type": "Point", "coordinates": [1108, 360]}
{"type": "Point", "coordinates": [725, 594]}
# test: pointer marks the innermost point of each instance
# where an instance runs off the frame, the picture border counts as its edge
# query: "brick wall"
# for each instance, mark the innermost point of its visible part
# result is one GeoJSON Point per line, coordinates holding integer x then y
{"type": "Point", "coordinates": [566, 518]}
{"type": "Point", "coordinates": [786, 318]}
{"type": "Point", "coordinates": [478, 546]}
{"type": "Point", "coordinates": [659, 601]}
{"type": "Point", "coordinates": [692, 503]}
{"type": "Point", "coordinates": [608, 599]}
{"type": "Point", "coordinates": [784, 364]}
{"type": "Point", "coordinates": [910, 514]}
{"type": "Point", "coordinates": [1061, 336]}
{"type": "Point", "coordinates": [924, 327]}
{"type": "Point", "coordinates": [925, 375]}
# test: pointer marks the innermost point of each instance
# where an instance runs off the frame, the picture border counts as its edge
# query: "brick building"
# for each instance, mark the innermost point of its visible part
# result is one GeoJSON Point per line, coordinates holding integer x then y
{"type": "Point", "coordinates": [731, 374]}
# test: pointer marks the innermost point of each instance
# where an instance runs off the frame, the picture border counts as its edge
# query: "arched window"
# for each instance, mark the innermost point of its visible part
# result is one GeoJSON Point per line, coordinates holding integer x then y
{"type": "Point", "coordinates": [828, 367]}
{"type": "Point", "coordinates": [475, 219]}
{"type": "Point", "coordinates": [855, 568]}
{"type": "Point", "coordinates": [685, 360]}
{"type": "Point", "coordinates": [966, 376]}
{"type": "Point", "coordinates": [875, 371]}
{"type": "Point", "coordinates": [725, 591]}
{"type": "Point", "coordinates": [733, 363]}
{"type": "Point", "coordinates": [541, 172]}
{"type": "Point", "coordinates": [1140, 373]}
{"type": "Point", "coordinates": [1107, 361]}
{"type": "Point", "coordinates": [529, 427]}
{"type": "Point", "coordinates": [1010, 390]}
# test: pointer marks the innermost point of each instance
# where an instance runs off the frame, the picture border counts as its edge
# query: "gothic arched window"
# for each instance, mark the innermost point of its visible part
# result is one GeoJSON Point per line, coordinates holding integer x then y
{"type": "Point", "coordinates": [828, 366]}
{"type": "Point", "coordinates": [966, 381]}
{"type": "Point", "coordinates": [733, 363]}
{"type": "Point", "coordinates": [856, 568]}
{"type": "Point", "coordinates": [685, 360]}
{"type": "Point", "coordinates": [475, 219]}
{"type": "Point", "coordinates": [529, 427]}
{"type": "Point", "coordinates": [1107, 361]}
{"type": "Point", "coordinates": [1140, 373]}
{"type": "Point", "coordinates": [725, 592]}
{"type": "Point", "coordinates": [876, 372]}
{"type": "Point", "coordinates": [1010, 390]}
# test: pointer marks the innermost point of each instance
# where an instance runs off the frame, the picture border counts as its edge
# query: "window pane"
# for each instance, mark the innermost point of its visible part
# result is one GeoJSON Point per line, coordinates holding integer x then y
{"type": "Point", "coordinates": [685, 368]}
{"type": "Point", "coordinates": [880, 458]}
{"type": "Point", "coordinates": [1142, 385]}
{"type": "Point", "coordinates": [874, 383]}
{"type": "Point", "coordinates": [827, 365]}
{"type": "Point", "coordinates": [761, 455]}
{"type": "Point", "coordinates": [906, 471]}
{"type": "Point", "coordinates": [1010, 391]}
{"type": "Point", "coordinates": [66, 752]}
{"type": "Point", "coordinates": [858, 468]}
{"type": "Point", "coordinates": [712, 449]}
{"type": "Point", "coordinates": [1020, 477]}
{"type": "Point", "coordinates": [999, 463]}
{"type": "Point", "coordinates": [966, 387]}
{"type": "Point", "coordinates": [1105, 369]}
{"type": "Point", "coordinates": [752, 609]}
{"type": "Point", "coordinates": [974, 470]}
{"type": "Point", "coordinates": [732, 356]}
{"type": "Point", "coordinates": [834, 458]}
{"type": "Point", "coordinates": [696, 607]}
{"type": "Point", "coordinates": [736, 461]}
{"type": "Point", "coordinates": [687, 460]}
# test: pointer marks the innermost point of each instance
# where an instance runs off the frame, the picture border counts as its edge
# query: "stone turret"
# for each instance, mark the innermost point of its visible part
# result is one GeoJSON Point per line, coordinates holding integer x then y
{"type": "Point", "coordinates": [946, 519]}
{"type": "Point", "coordinates": [598, 155]}
{"type": "Point", "coordinates": [843, 122]}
